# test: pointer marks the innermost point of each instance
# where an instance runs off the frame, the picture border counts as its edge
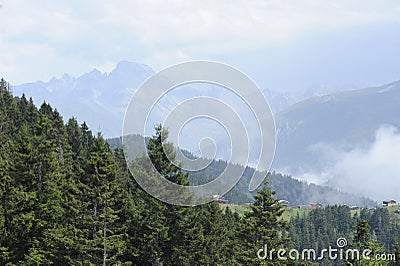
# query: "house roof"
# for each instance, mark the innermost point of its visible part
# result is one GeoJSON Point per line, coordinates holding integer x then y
{"type": "Point", "coordinates": [389, 201]}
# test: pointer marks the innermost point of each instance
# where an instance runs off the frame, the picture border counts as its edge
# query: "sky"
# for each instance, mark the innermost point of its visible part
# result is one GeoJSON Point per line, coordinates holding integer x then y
{"type": "Point", "coordinates": [282, 45]}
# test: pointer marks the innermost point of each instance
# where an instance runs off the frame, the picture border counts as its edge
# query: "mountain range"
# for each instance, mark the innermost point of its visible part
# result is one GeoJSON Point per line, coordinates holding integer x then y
{"type": "Point", "coordinates": [349, 140]}
{"type": "Point", "coordinates": [99, 99]}
{"type": "Point", "coordinates": [315, 136]}
{"type": "Point", "coordinates": [346, 119]}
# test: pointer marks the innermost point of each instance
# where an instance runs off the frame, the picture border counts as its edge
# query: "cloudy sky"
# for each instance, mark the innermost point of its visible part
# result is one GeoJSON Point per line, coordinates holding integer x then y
{"type": "Point", "coordinates": [281, 44]}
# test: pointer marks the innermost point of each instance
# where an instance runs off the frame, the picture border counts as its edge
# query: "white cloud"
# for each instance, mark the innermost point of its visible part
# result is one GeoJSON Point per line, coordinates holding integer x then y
{"type": "Point", "coordinates": [83, 34]}
{"type": "Point", "coordinates": [248, 23]}
{"type": "Point", "coordinates": [373, 171]}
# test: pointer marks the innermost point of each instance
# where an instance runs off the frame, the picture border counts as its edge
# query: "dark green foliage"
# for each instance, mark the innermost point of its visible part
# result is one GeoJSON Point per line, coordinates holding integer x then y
{"type": "Point", "coordinates": [67, 198]}
{"type": "Point", "coordinates": [51, 176]}
{"type": "Point", "coordinates": [262, 227]}
{"type": "Point", "coordinates": [362, 236]}
{"type": "Point", "coordinates": [363, 241]}
{"type": "Point", "coordinates": [320, 228]}
{"type": "Point", "coordinates": [396, 252]}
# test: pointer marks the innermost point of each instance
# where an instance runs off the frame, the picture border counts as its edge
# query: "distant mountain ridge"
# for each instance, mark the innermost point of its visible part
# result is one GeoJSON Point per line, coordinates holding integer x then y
{"type": "Point", "coordinates": [98, 98]}
{"type": "Point", "coordinates": [348, 140]}
{"type": "Point", "coordinates": [101, 98]}
{"type": "Point", "coordinates": [346, 119]}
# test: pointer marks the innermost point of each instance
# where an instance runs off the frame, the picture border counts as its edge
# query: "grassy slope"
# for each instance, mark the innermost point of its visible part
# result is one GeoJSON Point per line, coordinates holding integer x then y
{"type": "Point", "coordinates": [292, 212]}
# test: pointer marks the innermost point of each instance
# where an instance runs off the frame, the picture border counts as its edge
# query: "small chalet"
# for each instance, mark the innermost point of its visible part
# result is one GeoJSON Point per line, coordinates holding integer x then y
{"type": "Point", "coordinates": [283, 202]}
{"type": "Point", "coordinates": [311, 206]}
{"type": "Point", "coordinates": [388, 203]}
{"type": "Point", "coordinates": [220, 199]}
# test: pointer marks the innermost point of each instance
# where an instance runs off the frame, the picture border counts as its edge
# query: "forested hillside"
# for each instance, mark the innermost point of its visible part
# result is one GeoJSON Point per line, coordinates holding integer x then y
{"type": "Point", "coordinates": [67, 198]}
{"type": "Point", "coordinates": [295, 191]}
{"type": "Point", "coordinates": [320, 228]}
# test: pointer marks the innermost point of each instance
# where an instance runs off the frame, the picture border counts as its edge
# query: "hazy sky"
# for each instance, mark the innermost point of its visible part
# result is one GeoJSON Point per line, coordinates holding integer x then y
{"type": "Point", "coordinates": [280, 44]}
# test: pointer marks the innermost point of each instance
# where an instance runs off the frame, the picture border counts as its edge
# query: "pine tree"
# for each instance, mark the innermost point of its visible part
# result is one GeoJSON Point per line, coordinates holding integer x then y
{"type": "Point", "coordinates": [396, 252]}
{"type": "Point", "coordinates": [163, 157]}
{"type": "Point", "coordinates": [363, 241]}
{"type": "Point", "coordinates": [46, 181]}
{"type": "Point", "coordinates": [128, 221]}
{"type": "Point", "coordinates": [182, 234]}
{"type": "Point", "coordinates": [100, 217]}
{"type": "Point", "coordinates": [149, 230]}
{"type": "Point", "coordinates": [261, 227]}
{"type": "Point", "coordinates": [218, 229]}
{"type": "Point", "coordinates": [7, 189]}
{"type": "Point", "coordinates": [363, 235]}
{"type": "Point", "coordinates": [231, 244]}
